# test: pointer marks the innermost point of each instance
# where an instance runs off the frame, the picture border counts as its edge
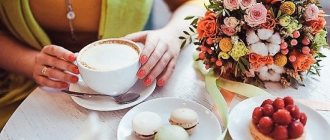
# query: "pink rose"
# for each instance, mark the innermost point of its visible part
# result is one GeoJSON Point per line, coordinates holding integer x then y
{"type": "Point", "coordinates": [311, 12]}
{"type": "Point", "coordinates": [256, 15]}
{"type": "Point", "coordinates": [231, 4]}
{"type": "Point", "coordinates": [231, 22]}
{"type": "Point", "coordinates": [229, 31]}
{"type": "Point", "coordinates": [244, 4]}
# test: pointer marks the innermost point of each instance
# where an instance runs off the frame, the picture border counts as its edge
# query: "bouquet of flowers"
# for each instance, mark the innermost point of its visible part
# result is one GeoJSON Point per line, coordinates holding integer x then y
{"type": "Point", "coordinates": [254, 41]}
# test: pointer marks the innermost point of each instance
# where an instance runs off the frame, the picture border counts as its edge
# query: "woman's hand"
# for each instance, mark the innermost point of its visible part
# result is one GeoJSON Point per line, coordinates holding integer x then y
{"type": "Point", "coordinates": [50, 66]}
{"type": "Point", "coordinates": [159, 55]}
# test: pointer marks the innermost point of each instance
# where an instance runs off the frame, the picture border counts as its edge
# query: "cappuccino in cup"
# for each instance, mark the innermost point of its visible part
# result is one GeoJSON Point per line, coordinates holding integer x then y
{"type": "Point", "coordinates": [109, 66]}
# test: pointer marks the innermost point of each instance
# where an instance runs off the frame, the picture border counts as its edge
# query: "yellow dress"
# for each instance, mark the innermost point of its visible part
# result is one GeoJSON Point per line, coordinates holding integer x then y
{"type": "Point", "coordinates": [117, 19]}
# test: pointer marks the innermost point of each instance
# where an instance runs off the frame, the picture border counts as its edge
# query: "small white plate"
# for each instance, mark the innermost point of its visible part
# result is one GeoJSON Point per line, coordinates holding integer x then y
{"type": "Point", "coordinates": [240, 116]}
{"type": "Point", "coordinates": [107, 103]}
{"type": "Point", "coordinates": [208, 128]}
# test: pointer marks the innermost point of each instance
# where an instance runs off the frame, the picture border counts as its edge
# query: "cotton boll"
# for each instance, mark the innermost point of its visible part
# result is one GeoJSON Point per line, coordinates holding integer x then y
{"type": "Point", "coordinates": [276, 69]}
{"type": "Point", "coordinates": [275, 77]}
{"type": "Point", "coordinates": [263, 73]}
{"type": "Point", "coordinates": [265, 34]}
{"type": "Point", "coordinates": [251, 37]}
{"type": "Point", "coordinates": [273, 48]}
{"type": "Point", "coordinates": [259, 48]}
{"type": "Point", "coordinates": [275, 39]}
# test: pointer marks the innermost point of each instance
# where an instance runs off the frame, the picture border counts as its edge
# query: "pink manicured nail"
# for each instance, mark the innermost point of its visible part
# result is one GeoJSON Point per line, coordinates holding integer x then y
{"type": "Point", "coordinates": [72, 57]}
{"type": "Point", "coordinates": [64, 85]}
{"type": "Point", "coordinates": [160, 82]}
{"type": "Point", "coordinates": [75, 70]}
{"type": "Point", "coordinates": [141, 74]}
{"type": "Point", "coordinates": [74, 79]}
{"type": "Point", "coordinates": [143, 59]}
{"type": "Point", "coordinates": [147, 81]}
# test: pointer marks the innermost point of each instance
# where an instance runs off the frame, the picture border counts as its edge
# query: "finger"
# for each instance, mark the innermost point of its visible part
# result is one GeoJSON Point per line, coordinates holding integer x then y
{"type": "Point", "coordinates": [59, 52]}
{"type": "Point", "coordinates": [58, 75]}
{"type": "Point", "coordinates": [44, 81]}
{"type": "Point", "coordinates": [58, 63]}
{"type": "Point", "coordinates": [154, 58]}
{"type": "Point", "coordinates": [165, 76]}
{"type": "Point", "coordinates": [150, 45]}
{"type": "Point", "coordinates": [158, 69]}
{"type": "Point", "coordinates": [137, 37]}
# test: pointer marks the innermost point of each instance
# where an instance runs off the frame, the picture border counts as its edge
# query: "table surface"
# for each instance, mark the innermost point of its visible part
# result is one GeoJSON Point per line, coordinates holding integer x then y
{"type": "Point", "coordinates": [45, 115]}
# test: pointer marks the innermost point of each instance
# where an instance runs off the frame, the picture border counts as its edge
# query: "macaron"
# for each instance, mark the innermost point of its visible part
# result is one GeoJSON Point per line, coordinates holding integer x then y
{"type": "Point", "coordinates": [171, 132]}
{"type": "Point", "coordinates": [186, 118]}
{"type": "Point", "coordinates": [146, 124]}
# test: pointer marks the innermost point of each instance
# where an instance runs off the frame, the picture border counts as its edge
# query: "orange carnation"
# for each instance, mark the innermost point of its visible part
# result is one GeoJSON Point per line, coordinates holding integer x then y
{"type": "Point", "coordinates": [303, 61]}
{"type": "Point", "coordinates": [207, 26]}
{"type": "Point", "coordinates": [317, 25]}
{"type": "Point", "coordinates": [257, 61]}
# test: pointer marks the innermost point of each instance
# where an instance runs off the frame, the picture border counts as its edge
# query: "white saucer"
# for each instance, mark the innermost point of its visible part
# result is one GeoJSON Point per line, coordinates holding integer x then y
{"type": "Point", "coordinates": [208, 128]}
{"type": "Point", "coordinates": [316, 127]}
{"type": "Point", "coordinates": [107, 103]}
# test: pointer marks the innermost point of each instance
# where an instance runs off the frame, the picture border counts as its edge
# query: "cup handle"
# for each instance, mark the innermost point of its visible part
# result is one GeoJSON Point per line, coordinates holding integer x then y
{"type": "Point", "coordinates": [76, 55]}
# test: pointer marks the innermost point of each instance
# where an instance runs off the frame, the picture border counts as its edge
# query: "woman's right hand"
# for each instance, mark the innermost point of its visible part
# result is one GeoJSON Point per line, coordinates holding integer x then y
{"type": "Point", "coordinates": [51, 65]}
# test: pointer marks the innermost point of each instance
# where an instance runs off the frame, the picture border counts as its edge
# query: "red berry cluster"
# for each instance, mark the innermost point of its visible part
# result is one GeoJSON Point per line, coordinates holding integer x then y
{"type": "Point", "coordinates": [280, 119]}
{"type": "Point", "coordinates": [209, 56]}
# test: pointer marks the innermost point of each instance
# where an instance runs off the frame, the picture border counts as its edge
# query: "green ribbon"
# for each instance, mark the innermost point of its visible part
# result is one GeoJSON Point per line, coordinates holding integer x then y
{"type": "Point", "coordinates": [213, 84]}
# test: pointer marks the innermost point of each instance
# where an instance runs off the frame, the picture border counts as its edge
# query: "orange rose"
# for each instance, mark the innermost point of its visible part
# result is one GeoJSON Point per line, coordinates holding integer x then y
{"type": "Point", "coordinates": [207, 27]}
{"type": "Point", "coordinates": [270, 22]}
{"type": "Point", "coordinates": [303, 62]}
{"type": "Point", "coordinates": [317, 25]}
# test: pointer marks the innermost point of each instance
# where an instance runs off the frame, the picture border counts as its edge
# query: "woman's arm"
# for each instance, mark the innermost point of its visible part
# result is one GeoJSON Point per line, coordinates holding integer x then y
{"type": "Point", "coordinates": [162, 46]}
{"type": "Point", "coordinates": [18, 58]}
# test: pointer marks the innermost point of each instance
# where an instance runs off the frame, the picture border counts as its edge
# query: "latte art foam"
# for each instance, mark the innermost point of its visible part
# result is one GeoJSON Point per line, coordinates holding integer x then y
{"type": "Point", "coordinates": [108, 56]}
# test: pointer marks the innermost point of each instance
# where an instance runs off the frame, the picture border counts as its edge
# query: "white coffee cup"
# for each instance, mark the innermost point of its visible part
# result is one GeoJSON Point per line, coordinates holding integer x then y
{"type": "Point", "coordinates": [109, 66]}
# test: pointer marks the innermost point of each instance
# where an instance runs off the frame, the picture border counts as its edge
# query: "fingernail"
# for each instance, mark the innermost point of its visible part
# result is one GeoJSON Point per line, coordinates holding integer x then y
{"type": "Point", "coordinates": [160, 82]}
{"type": "Point", "coordinates": [141, 74]}
{"type": "Point", "coordinates": [64, 85]}
{"type": "Point", "coordinates": [72, 57]}
{"type": "Point", "coordinates": [147, 81]}
{"type": "Point", "coordinates": [74, 79]}
{"type": "Point", "coordinates": [75, 70]}
{"type": "Point", "coordinates": [143, 59]}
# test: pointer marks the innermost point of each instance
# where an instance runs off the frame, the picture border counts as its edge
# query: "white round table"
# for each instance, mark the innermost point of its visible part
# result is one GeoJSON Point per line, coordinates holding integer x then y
{"type": "Point", "coordinates": [55, 116]}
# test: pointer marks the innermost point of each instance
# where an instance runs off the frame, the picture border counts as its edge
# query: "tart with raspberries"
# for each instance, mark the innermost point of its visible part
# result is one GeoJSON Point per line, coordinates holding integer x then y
{"type": "Point", "coordinates": [278, 119]}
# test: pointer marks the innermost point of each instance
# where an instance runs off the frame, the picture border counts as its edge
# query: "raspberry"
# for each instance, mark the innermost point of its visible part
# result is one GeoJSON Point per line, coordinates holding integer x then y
{"type": "Point", "coordinates": [265, 125]}
{"type": "Point", "coordinates": [268, 101]}
{"type": "Point", "coordinates": [278, 103]}
{"type": "Point", "coordinates": [294, 111]}
{"type": "Point", "coordinates": [288, 101]}
{"type": "Point", "coordinates": [268, 110]}
{"type": "Point", "coordinates": [280, 132]}
{"type": "Point", "coordinates": [303, 118]}
{"type": "Point", "coordinates": [296, 129]}
{"type": "Point", "coordinates": [282, 117]}
{"type": "Point", "coordinates": [257, 114]}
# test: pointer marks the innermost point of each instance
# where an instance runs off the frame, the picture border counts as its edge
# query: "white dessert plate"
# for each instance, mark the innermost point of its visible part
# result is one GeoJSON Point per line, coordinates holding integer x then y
{"type": "Point", "coordinates": [317, 128]}
{"type": "Point", "coordinates": [107, 103]}
{"type": "Point", "coordinates": [208, 128]}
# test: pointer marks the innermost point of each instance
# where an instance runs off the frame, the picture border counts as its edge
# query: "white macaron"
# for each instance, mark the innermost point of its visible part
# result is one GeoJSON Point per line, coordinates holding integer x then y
{"type": "Point", "coordinates": [186, 118]}
{"type": "Point", "coordinates": [146, 124]}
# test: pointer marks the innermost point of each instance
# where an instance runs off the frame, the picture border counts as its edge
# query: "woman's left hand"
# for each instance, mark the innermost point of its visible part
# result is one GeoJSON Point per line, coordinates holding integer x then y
{"type": "Point", "coordinates": [159, 55]}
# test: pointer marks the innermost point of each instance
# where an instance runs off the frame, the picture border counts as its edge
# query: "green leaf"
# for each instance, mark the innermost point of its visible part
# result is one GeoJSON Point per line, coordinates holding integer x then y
{"type": "Point", "coordinates": [191, 29]}
{"type": "Point", "coordinates": [181, 37]}
{"type": "Point", "coordinates": [321, 55]}
{"type": "Point", "coordinates": [189, 17]}
{"type": "Point", "coordinates": [278, 14]}
{"type": "Point", "coordinates": [241, 67]}
{"type": "Point", "coordinates": [244, 61]}
{"type": "Point", "coordinates": [194, 22]}
{"type": "Point", "coordinates": [185, 32]}
{"type": "Point", "coordinates": [183, 43]}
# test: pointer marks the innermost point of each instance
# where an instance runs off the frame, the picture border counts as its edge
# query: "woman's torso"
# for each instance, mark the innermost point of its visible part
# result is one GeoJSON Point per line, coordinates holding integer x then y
{"type": "Point", "coordinates": [51, 16]}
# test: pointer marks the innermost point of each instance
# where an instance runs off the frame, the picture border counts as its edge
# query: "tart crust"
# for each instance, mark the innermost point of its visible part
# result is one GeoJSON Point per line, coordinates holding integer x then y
{"type": "Point", "coordinates": [259, 136]}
